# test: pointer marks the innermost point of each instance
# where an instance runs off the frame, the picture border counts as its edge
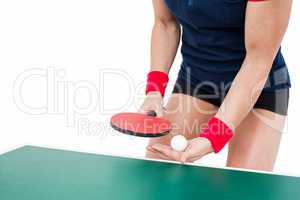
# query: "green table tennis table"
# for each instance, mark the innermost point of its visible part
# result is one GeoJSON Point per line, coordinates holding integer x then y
{"type": "Point", "coordinates": [34, 173]}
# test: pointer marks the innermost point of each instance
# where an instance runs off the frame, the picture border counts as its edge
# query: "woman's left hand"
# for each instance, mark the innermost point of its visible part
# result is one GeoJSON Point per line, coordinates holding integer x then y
{"type": "Point", "coordinates": [196, 149]}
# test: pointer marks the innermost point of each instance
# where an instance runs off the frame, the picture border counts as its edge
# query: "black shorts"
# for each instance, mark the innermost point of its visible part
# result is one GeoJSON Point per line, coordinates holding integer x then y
{"type": "Point", "coordinates": [276, 101]}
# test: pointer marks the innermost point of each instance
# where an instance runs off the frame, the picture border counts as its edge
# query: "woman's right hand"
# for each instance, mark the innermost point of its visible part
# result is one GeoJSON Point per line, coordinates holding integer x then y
{"type": "Point", "coordinates": [153, 102]}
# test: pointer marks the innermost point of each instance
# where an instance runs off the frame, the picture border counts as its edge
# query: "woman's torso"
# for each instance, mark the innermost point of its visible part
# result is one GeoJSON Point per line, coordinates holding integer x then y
{"type": "Point", "coordinates": [213, 43]}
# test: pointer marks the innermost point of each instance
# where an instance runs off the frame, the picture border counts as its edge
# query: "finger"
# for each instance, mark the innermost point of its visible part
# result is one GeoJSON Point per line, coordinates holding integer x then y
{"type": "Point", "coordinates": [186, 154]}
{"type": "Point", "coordinates": [162, 148]}
{"type": "Point", "coordinates": [157, 111]}
{"type": "Point", "coordinates": [168, 151]}
{"type": "Point", "coordinates": [184, 158]}
{"type": "Point", "coordinates": [149, 148]}
{"type": "Point", "coordinates": [160, 112]}
{"type": "Point", "coordinates": [196, 149]}
{"type": "Point", "coordinates": [142, 111]}
{"type": "Point", "coordinates": [158, 154]}
{"type": "Point", "coordinates": [152, 113]}
{"type": "Point", "coordinates": [193, 159]}
{"type": "Point", "coordinates": [149, 112]}
{"type": "Point", "coordinates": [191, 156]}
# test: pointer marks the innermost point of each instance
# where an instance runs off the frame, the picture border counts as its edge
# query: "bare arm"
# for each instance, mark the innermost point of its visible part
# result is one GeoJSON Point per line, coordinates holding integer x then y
{"type": "Point", "coordinates": [266, 23]}
{"type": "Point", "coordinates": [164, 46]}
{"type": "Point", "coordinates": [165, 38]}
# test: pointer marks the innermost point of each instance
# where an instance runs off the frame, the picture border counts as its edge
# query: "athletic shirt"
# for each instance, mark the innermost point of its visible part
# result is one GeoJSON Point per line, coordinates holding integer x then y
{"type": "Point", "coordinates": [213, 42]}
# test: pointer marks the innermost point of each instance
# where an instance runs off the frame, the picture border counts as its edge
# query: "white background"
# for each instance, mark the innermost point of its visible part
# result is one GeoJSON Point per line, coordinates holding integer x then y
{"type": "Point", "coordinates": [73, 41]}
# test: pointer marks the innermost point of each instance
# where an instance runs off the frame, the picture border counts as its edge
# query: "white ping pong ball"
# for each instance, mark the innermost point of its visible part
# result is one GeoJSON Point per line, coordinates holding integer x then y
{"type": "Point", "coordinates": [179, 143]}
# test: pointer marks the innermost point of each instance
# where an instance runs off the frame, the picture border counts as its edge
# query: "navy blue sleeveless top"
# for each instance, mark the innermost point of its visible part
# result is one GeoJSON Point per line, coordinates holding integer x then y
{"type": "Point", "coordinates": [213, 43]}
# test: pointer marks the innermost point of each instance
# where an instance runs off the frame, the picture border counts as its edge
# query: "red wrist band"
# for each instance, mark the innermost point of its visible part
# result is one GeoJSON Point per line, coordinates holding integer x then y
{"type": "Point", "coordinates": [157, 82]}
{"type": "Point", "coordinates": [218, 133]}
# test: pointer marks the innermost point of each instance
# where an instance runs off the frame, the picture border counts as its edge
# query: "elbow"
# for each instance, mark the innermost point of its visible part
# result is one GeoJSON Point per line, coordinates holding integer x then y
{"type": "Point", "coordinates": [261, 56]}
{"type": "Point", "coordinates": [260, 60]}
{"type": "Point", "coordinates": [257, 67]}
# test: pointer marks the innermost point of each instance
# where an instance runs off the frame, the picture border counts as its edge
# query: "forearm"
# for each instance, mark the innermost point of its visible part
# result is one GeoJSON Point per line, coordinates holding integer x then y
{"type": "Point", "coordinates": [164, 44]}
{"type": "Point", "coordinates": [245, 90]}
{"type": "Point", "coordinates": [265, 25]}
